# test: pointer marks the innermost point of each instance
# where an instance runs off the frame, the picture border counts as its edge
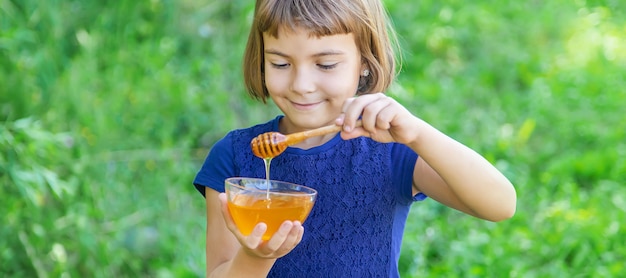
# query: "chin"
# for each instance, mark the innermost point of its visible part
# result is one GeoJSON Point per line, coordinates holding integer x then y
{"type": "Point", "coordinates": [309, 122]}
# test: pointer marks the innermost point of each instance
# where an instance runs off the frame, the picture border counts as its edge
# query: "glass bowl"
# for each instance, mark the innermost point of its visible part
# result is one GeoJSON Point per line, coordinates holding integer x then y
{"type": "Point", "coordinates": [253, 200]}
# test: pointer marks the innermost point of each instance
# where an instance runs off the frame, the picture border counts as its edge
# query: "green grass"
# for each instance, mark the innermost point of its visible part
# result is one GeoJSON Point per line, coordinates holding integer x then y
{"type": "Point", "coordinates": [107, 111]}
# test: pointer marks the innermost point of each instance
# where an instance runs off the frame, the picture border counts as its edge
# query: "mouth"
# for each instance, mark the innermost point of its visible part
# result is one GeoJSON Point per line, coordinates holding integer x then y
{"type": "Point", "coordinates": [306, 106]}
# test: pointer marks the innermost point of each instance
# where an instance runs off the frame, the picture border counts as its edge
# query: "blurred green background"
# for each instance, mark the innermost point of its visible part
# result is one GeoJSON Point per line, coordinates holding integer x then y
{"type": "Point", "coordinates": [108, 108]}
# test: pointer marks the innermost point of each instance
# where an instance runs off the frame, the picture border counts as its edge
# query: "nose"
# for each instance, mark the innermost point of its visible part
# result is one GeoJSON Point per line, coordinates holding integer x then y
{"type": "Point", "coordinates": [303, 81]}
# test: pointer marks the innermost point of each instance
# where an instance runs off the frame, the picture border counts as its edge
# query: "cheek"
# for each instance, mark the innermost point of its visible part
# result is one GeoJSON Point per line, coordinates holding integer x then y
{"type": "Point", "coordinates": [341, 85]}
{"type": "Point", "coordinates": [275, 82]}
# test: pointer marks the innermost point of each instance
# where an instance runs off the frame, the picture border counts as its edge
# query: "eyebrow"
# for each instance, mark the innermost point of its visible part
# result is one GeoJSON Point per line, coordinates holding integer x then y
{"type": "Point", "coordinates": [319, 54]}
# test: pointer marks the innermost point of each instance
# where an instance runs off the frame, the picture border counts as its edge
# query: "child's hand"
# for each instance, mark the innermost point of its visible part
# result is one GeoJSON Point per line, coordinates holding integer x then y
{"type": "Point", "coordinates": [282, 242]}
{"type": "Point", "coordinates": [383, 119]}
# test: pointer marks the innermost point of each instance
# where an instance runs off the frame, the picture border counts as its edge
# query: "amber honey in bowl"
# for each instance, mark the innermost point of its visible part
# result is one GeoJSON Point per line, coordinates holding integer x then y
{"type": "Point", "coordinates": [251, 201]}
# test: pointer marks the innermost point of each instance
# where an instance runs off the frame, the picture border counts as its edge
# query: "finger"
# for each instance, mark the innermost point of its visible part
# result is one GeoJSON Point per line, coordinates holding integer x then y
{"type": "Point", "coordinates": [300, 234]}
{"type": "Point", "coordinates": [339, 120]}
{"type": "Point", "coordinates": [371, 111]}
{"type": "Point", "coordinates": [294, 237]}
{"type": "Point", "coordinates": [386, 116]}
{"type": "Point", "coordinates": [352, 109]}
{"type": "Point", "coordinates": [278, 238]}
{"type": "Point", "coordinates": [371, 115]}
{"type": "Point", "coordinates": [347, 104]}
{"type": "Point", "coordinates": [388, 113]}
{"type": "Point", "coordinates": [356, 110]}
{"type": "Point", "coordinates": [256, 237]}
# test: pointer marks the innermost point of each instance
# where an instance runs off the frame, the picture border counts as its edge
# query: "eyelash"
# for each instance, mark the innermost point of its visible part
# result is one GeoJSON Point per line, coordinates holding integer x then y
{"type": "Point", "coordinates": [279, 66]}
{"type": "Point", "coordinates": [324, 67]}
{"type": "Point", "coordinates": [327, 67]}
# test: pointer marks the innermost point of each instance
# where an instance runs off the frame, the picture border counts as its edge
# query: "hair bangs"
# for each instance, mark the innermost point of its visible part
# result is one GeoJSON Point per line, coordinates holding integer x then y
{"type": "Point", "coordinates": [320, 18]}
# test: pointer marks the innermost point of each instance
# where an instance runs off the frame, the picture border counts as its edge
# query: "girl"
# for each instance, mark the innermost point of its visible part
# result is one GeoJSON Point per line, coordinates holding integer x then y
{"type": "Point", "coordinates": [328, 62]}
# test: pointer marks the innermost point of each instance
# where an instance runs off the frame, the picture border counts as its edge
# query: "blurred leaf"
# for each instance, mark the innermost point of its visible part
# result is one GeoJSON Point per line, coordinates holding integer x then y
{"type": "Point", "coordinates": [525, 131]}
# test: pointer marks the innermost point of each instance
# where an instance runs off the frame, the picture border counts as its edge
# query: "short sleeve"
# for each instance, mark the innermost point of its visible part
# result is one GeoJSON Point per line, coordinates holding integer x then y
{"type": "Point", "coordinates": [403, 163]}
{"type": "Point", "coordinates": [218, 166]}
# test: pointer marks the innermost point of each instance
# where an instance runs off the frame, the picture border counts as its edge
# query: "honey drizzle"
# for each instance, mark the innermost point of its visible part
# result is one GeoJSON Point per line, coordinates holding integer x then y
{"type": "Point", "coordinates": [268, 184]}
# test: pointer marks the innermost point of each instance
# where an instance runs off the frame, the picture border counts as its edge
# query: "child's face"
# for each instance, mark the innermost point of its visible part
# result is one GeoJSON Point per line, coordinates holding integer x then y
{"type": "Point", "coordinates": [309, 78]}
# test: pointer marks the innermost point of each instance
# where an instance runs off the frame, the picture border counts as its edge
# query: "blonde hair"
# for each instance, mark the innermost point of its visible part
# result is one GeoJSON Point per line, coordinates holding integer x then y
{"type": "Point", "coordinates": [367, 20]}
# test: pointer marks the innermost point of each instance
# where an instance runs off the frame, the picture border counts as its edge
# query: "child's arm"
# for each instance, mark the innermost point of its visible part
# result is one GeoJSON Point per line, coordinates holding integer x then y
{"type": "Point", "coordinates": [457, 176]}
{"type": "Point", "coordinates": [230, 254]}
{"type": "Point", "coordinates": [224, 255]}
{"type": "Point", "coordinates": [446, 170]}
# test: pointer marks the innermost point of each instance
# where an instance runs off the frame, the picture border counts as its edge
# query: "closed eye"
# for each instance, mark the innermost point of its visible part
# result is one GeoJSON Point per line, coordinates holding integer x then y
{"type": "Point", "coordinates": [327, 66]}
{"type": "Point", "coordinates": [279, 66]}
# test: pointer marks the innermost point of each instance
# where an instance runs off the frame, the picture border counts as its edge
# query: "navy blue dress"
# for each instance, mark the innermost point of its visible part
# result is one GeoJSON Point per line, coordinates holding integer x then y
{"type": "Point", "coordinates": [364, 194]}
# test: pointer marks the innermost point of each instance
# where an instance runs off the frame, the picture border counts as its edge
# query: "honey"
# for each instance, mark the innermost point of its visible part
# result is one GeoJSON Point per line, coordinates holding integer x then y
{"type": "Point", "coordinates": [249, 208]}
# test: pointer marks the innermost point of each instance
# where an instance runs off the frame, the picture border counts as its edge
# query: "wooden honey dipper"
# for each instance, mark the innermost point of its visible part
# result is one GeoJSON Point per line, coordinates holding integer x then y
{"type": "Point", "coordinates": [271, 144]}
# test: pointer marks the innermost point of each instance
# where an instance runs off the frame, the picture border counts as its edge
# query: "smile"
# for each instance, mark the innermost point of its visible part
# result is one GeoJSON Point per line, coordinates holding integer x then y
{"type": "Point", "coordinates": [305, 106]}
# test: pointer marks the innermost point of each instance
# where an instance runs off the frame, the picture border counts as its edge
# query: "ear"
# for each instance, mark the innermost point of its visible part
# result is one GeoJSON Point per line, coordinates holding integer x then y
{"type": "Point", "coordinates": [365, 69]}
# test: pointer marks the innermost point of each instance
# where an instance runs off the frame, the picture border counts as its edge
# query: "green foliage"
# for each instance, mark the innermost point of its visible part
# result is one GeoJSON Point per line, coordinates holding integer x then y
{"type": "Point", "coordinates": [108, 109]}
{"type": "Point", "coordinates": [536, 88]}
{"type": "Point", "coordinates": [32, 180]}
